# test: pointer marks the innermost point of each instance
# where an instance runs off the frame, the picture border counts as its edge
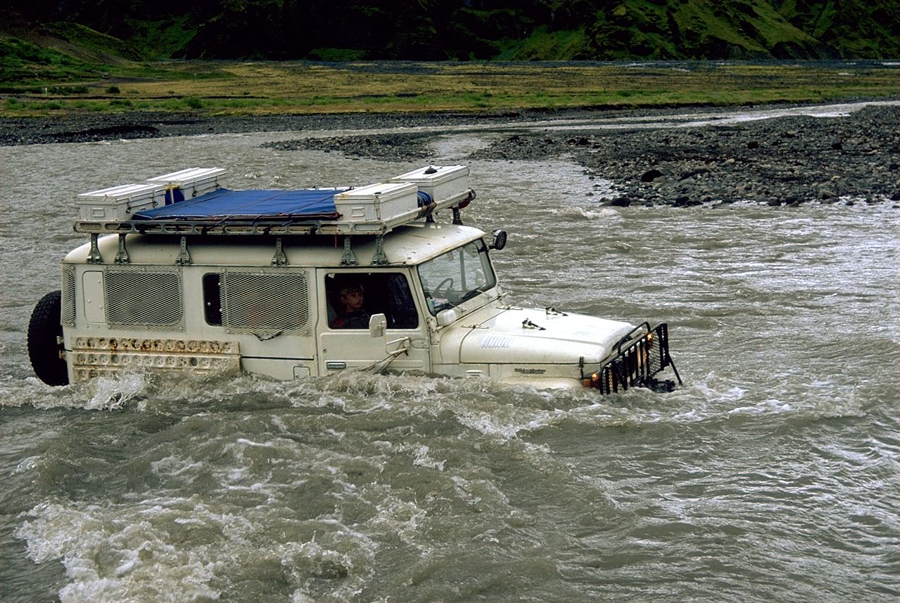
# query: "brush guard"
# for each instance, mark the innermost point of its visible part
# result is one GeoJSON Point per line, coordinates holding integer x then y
{"type": "Point", "coordinates": [639, 357]}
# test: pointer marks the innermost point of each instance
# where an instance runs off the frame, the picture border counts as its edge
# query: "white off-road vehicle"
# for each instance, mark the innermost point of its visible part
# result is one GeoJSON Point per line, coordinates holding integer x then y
{"type": "Point", "coordinates": [181, 274]}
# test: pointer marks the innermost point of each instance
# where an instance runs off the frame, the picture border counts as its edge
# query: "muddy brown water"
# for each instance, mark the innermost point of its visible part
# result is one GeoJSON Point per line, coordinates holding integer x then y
{"type": "Point", "coordinates": [771, 475]}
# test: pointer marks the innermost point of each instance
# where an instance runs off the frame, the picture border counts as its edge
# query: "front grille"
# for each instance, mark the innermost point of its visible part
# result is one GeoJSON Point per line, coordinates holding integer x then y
{"type": "Point", "coordinates": [636, 363]}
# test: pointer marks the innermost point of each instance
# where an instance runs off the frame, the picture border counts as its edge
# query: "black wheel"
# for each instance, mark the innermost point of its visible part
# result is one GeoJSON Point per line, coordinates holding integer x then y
{"type": "Point", "coordinates": [44, 348]}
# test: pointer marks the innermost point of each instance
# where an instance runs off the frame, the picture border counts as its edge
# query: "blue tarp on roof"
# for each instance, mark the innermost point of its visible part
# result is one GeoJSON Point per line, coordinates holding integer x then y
{"type": "Point", "coordinates": [303, 204]}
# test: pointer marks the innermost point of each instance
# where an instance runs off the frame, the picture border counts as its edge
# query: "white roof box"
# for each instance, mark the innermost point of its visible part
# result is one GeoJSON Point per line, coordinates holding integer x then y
{"type": "Point", "coordinates": [192, 182]}
{"type": "Point", "coordinates": [120, 202]}
{"type": "Point", "coordinates": [439, 181]}
{"type": "Point", "coordinates": [373, 209]}
{"type": "Point", "coordinates": [377, 202]}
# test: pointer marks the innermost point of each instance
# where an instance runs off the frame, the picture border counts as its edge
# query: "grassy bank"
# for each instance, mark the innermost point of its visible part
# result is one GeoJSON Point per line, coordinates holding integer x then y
{"type": "Point", "coordinates": [256, 88]}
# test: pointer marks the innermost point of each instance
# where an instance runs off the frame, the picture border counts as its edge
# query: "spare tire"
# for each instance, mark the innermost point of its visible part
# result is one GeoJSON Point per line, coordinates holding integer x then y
{"type": "Point", "coordinates": [44, 347]}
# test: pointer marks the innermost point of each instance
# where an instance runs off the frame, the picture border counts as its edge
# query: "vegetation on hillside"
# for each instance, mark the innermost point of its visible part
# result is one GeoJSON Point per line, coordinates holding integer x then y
{"type": "Point", "coordinates": [475, 29]}
{"type": "Point", "coordinates": [297, 56]}
{"type": "Point", "coordinates": [22, 62]}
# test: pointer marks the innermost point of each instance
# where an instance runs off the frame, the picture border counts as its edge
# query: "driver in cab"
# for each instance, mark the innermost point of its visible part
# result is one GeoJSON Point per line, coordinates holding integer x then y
{"type": "Point", "coordinates": [350, 311]}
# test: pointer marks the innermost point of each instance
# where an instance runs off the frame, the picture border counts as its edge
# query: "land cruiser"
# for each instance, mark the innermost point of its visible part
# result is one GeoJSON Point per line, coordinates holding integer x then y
{"type": "Point", "coordinates": [181, 274]}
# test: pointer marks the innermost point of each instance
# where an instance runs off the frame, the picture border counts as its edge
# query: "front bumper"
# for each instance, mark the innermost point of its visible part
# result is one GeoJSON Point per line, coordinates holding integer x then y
{"type": "Point", "coordinates": [638, 358]}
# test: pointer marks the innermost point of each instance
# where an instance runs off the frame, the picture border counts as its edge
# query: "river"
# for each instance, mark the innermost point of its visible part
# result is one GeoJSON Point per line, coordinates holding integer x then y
{"type": "Point", "coordinates": [772, 475]}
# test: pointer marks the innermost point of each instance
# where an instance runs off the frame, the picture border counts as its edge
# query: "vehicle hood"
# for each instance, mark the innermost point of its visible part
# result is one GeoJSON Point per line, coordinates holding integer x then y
{"type": "Point", "coordinates": [523, 336]}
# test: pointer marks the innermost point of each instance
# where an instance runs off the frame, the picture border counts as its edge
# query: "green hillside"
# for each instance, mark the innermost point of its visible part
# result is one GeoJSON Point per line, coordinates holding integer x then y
{"type": "Point", "coordinates": [250, 57]}
{"type": "Point", "coordinates": [465, 29]}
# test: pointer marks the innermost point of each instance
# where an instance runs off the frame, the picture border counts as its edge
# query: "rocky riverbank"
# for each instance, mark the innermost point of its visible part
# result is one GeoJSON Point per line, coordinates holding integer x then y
{"type": "Point", "coordinates": [136, 125]}
{"type": "Point", "coordinates": [778, 161]}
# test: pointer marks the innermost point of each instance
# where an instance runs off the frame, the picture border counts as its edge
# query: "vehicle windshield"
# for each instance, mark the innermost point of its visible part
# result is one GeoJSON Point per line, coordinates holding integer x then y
{"type": "Point", "coordinates": [456, 276]}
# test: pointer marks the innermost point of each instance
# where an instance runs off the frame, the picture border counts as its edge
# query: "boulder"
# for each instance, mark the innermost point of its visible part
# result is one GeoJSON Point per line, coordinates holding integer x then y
{"type": "Point", "coordinates": [651, 175]}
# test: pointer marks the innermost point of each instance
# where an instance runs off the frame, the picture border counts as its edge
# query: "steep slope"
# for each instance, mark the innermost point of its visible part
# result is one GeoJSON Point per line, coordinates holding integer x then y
{"type": "Point", "coordinates": [740, 29]}
{"type": "Point", "coordinates": [479, 29]}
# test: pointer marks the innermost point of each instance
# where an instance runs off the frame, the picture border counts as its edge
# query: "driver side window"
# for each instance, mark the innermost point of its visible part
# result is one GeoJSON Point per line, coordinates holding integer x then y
{"type": "Point", "coordinates": [353, 297]}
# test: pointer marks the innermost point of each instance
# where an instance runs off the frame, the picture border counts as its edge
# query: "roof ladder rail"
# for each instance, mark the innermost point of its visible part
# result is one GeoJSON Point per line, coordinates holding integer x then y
{"type": "Point", "coordinates": [379, 259]}
{"type": "Point", "coordinates": [184, 257]}
{"type": "Point", "coordinates": [348, 259]}
{"type": "Point", "coordinates": [95, 257]}
{"type": "Point", "coordinates": [280, 258]}
{"type": "Point", "coordinates": [122, 256]}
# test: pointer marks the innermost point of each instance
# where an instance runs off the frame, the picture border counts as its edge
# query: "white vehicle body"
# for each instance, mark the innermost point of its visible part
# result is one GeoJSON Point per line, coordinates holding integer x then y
{"type": "Point", "coordinates": [167, 294]}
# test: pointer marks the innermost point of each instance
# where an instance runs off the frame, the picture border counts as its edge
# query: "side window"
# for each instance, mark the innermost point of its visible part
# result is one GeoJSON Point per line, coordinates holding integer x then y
{"type": "Point", "coordinates": [353, 297]}
{"type": "Point", "coordinates": [265, 300]}
{"type": "Point", "coordinates": [212, 299]}
{"type": "Point", "coordinates": [252, 301]}
{"type": "Point", "coordinates": [143, 297]}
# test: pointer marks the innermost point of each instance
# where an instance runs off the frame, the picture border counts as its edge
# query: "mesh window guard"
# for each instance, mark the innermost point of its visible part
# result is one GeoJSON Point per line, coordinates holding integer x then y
{"type": "Point", "coordinates": [142, 297]}
{"type": "Point", "coordinates": [68, 295]}
{"type": "Point", "coordinates": [265, 302]}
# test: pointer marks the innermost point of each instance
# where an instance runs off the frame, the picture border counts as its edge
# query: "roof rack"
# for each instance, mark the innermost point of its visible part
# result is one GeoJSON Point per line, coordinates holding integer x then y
{"type": "Point", "coordinates": [192, 202]}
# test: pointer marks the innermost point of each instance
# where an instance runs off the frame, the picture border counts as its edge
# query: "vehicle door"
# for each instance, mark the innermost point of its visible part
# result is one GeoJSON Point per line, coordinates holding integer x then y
{"type": "Point", "coordinates": [267, 311]}
{"type": "Point", "coordinates": [356, 299]}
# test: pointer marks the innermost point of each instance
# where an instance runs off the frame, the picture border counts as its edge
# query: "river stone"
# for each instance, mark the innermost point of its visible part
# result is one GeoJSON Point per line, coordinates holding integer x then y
{"type": "Point", "coordinates": [651, 175]}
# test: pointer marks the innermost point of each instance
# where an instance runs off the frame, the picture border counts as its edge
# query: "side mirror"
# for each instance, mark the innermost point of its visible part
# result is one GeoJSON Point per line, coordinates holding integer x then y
{"type": "Point", "coordinates": [447, 317]}
{"type": "Point", "coordinates": [499, 241]}
{"type": "Point", "coordinates": [377, 325]}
